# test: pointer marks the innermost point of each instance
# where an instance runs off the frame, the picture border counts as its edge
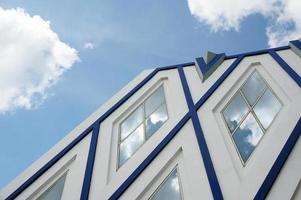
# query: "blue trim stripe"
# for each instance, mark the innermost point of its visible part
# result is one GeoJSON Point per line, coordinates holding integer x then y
{"type": "Point", "coordinates": [296, 43]}
{"type": "Point", "coordinates": [211, 175]}
{"type": "Point", "coordinates": [279, 163]}
{"type": "Point", "coordinates": [197, 126]}
{"type": "Point", "coordinates": [286, 67]}
{"type": "Point", "coordinates": [188, 64]}
{"type": "Point", "coordinates": [90, 163]}
{"type": "Point", "coordinates": [260, 52]}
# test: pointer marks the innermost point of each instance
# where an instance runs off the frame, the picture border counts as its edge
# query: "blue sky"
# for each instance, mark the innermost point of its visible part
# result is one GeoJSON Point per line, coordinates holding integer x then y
{"type": "Point", "coordinates": [127, 38]}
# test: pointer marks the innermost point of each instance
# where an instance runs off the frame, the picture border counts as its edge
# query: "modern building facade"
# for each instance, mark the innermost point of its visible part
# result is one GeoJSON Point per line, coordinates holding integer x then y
{"type": "Point", "coordinates": [221, 127]}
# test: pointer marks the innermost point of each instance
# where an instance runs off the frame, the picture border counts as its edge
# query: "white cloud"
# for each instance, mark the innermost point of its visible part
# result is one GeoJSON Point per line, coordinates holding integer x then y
{"type": "Point", "coordinates": [250, 126]}
{"type": "Point", "coordinates": [284, 20]}
{"type": "Point", "coordinates": [89, 45]}
{"type": "Point", "coordinates": [287, 25]}
{"type": "Point", "coordinates": [32, 59]}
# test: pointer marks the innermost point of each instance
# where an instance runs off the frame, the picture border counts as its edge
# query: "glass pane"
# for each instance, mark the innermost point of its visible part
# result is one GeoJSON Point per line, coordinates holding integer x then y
{"type": "Point", "coordinates": [131, 144]}
{"type": "Point", "coordinates": [247, 136]}
{"type": "Point", "coordinates": [154, 101]}
{"type": "Point", "coordinates": [253, 88]}
{"type": "Point", "coordinates": [235, 111]}
{"type": "Point", "coordinates": [132, 122]}
{"type": "Point", "coordinates": [55, 191]}
{"type": "Point", "coordinates": [267, 108]}
{"type": "Point", "coordinates": [170, 188]}
{"type": "Point", "coordinates": [155, 120]}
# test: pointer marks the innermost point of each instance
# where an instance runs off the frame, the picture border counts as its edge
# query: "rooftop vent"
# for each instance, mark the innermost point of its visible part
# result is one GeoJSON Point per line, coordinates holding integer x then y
{"type": "Point", "coordinates": [207, 65]}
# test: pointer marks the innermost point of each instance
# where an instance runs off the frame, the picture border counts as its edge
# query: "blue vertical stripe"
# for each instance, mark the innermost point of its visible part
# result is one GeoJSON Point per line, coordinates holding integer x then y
{"type": "Point", "coordinates": [211, 175]}
{"type": "Point", "coordinates": [90, 163]}
{"type": "Point", "coordinates": [286, 67]}
{"type": "Point", "coordinates": [279, 163]}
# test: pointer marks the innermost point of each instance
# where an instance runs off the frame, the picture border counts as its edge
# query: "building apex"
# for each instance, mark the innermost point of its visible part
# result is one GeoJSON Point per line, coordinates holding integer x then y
{"type": "Point", "coordinates": [209, 56]}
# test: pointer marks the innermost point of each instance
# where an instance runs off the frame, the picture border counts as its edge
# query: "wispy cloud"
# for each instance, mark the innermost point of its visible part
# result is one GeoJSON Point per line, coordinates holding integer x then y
{"type": "Point", "coordinates": [89, 45]}
{"type": "Point", "coordinates": [32, 59]}
{"type": "Point", "coordinates": [284, 20]}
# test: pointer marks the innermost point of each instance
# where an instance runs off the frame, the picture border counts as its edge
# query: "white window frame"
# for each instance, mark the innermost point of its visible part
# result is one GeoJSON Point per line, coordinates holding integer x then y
{"type": "Point", "coordinates": [239, 90]}
{"type": "Point", "coordinates": [129, 112]}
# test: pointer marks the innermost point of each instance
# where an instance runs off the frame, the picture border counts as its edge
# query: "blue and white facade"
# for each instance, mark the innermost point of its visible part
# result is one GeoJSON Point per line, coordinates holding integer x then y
{"type": "Point", "coordinates": [221, 127]}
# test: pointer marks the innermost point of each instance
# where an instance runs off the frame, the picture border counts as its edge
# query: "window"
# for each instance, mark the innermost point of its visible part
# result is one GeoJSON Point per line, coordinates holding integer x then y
{"type": "Point", "coordinates": [250, 113]}
{"type": "Point", "coordinates": [141, 124]}
{"type": "Point", "coordinates": [169, 189]}
{"type": "Point", "coordinates": [55, 191]}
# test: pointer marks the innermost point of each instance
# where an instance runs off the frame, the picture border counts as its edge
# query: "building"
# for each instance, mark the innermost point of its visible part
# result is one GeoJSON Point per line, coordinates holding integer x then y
{"type": "Point", "coordinates": [222, 127]}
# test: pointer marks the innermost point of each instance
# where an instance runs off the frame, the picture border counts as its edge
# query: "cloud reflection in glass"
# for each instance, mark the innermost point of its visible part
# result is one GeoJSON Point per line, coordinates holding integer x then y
{"type": "Point", "coordinates": [141, 124]}
{"type": "Point", "coordinates": [249, 114]}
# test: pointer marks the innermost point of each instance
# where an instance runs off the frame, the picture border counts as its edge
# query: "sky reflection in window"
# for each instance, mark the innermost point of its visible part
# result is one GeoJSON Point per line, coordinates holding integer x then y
{"type": "Point", "coordinates": [55, 191]}
{"type": "Point", "coordinates": [249, 114]}
{"type": "Point", "coordinates": [169, 189]}
{"type": "Point", "coordinates": [132, 122]}
{"type": "Point", "coordinates": [246, 136]}
{"type": "Point", "coordinates": [155, 120]}
{"type": "Point", "coordinates": [142, 123]}
{"type": "Point", "coordinates": [267, 108]}
{"type": "Point", "coordinates": [235, 111]}
{"type": "Point", "coordinates": [131, 144]}
{"type": "Point", "coordinates": [253, 88]}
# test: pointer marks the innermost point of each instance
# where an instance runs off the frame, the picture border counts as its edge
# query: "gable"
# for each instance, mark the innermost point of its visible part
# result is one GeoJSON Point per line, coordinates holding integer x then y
{"type": "Point", "coordinates": [93, 126]}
